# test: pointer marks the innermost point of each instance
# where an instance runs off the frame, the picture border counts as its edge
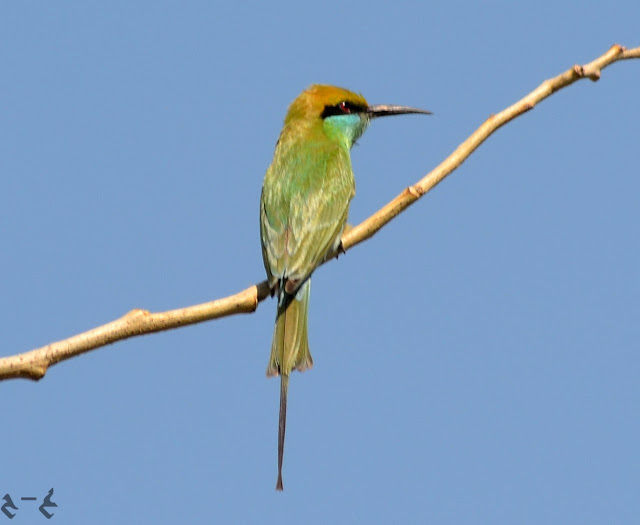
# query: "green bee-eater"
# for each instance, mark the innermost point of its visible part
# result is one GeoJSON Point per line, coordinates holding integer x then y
{"type": "Point", "coordinates": [303, 211]}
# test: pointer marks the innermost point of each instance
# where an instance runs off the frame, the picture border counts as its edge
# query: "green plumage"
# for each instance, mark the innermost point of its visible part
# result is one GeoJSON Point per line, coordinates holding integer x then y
{"type": "Point", "coordinates": [303, 211]}
{"type": "Point", "coordinates": [304, 205]}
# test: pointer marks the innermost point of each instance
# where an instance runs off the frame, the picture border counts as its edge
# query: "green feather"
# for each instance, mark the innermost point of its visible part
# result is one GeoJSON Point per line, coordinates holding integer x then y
{"type": "Point", "coordinates": [303, 211]}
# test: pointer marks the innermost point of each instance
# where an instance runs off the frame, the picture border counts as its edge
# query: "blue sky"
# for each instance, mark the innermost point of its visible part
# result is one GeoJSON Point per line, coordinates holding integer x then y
{"type": "Point", "coordinates": [475, 362]}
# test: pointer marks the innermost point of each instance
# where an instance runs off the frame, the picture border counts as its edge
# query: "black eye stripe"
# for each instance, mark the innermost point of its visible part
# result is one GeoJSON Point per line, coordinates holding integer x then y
{"type": "Point", "coordinates": [342, 108]}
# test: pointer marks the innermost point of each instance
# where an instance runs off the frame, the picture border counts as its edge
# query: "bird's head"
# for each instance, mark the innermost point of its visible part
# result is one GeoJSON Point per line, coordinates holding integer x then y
{"type": "Point", "coordinates": [343, 114]}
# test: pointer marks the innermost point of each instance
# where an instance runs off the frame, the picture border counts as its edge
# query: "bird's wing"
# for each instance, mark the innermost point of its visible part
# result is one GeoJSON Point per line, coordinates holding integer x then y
{"type": "Point", "coordinates": [305, 202]}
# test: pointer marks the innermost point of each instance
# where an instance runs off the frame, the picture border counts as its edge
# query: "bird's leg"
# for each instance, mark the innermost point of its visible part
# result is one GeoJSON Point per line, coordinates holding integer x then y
{"type": "Point", "coordinates": [274, 289]}
{"type": "Point", "coordinates": [340, 249]}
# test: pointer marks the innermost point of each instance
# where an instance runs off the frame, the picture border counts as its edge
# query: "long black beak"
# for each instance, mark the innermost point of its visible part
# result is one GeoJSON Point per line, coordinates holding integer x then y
{"type": "Point", "coordinates": [384, 110]}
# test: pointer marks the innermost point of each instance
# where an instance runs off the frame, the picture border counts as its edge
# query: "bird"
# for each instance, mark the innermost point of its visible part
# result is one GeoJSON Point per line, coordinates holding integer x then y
{"type": "Point", "coordinates": [304, 205]}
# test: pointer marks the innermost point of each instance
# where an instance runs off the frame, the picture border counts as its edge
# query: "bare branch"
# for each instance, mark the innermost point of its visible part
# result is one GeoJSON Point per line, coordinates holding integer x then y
{"type": "Point", "coordinates": [369, 226]}
{"type": "Point", "coordinates": [34, 364]}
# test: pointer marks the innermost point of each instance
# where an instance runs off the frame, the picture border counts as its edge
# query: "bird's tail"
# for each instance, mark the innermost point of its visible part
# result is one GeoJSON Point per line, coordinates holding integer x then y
{"type": "Point", "coordinates": [290, 345]}
{"type": "Point", "coordinates": [289, 351]}
{"type": "Point", "coordinates": [282, 425]}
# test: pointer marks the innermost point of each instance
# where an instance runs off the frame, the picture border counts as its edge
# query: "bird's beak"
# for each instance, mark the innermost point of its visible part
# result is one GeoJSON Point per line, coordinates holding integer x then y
{"type": "Point", "coordinates": [384, 110]}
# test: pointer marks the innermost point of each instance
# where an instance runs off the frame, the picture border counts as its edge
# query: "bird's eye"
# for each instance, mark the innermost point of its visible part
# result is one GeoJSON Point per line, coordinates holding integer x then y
{"type": "Point", "coordinates": [341, 108]}
{"type": "Point", "coordinates": [344, 107]}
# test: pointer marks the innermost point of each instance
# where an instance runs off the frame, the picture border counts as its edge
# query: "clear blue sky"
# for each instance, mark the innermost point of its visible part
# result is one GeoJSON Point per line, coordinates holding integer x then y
{"type": "Point", "coordinates": [475, 362]}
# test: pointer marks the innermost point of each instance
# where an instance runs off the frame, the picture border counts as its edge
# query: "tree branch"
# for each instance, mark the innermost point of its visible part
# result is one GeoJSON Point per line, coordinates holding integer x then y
{"type": "Point", "coordinates": [34, 364]}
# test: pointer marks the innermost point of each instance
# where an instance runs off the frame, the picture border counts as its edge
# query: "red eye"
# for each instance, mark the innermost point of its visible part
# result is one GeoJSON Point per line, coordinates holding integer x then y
{"type": "Point", "coordinates": [344, 107]}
